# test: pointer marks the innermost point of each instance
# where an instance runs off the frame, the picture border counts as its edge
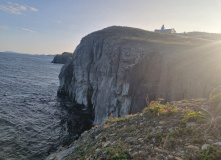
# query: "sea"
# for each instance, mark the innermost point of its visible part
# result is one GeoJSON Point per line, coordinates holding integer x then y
{"type": "Point", "coordinates": [34, 120]}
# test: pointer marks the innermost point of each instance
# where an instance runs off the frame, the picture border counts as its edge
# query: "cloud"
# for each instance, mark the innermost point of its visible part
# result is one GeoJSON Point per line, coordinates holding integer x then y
{"type": "Point", "coordinates": [3, 27]}
{"type": "Point", "coordinates": [32, 9]}
{"type": "Point", "coordinates": [28, 30]}
{"type": "Point", "coordinates": [16, 8]}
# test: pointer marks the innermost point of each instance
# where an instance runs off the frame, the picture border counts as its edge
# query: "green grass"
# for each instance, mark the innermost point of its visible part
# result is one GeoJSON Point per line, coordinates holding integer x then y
{"type": "Point", "coordinates": [211, 153]}
{"type": "Point", "coordinates": [158, 137]}
{"type": "Point", "coordinates": [191, 116]}
{"type": "Point", "coordinates": [116, 152]}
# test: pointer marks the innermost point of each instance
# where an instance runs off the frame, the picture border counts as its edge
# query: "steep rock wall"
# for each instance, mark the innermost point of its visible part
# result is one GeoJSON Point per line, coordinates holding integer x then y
{"type": "Point", "coordinates": [113, 70]}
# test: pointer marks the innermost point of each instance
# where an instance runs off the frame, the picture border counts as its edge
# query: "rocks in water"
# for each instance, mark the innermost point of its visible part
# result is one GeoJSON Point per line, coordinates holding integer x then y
{"type": "Point", "coordinates": [63, 58]}
{"type": "Point", "coordinates": [114, 70]}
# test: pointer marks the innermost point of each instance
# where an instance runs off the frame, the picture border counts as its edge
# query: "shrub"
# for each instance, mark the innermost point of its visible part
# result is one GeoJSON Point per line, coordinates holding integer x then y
{"type": "Point", "coordinates": [191, 116]}
{"type": "Point", "coordinates": [159, 109]}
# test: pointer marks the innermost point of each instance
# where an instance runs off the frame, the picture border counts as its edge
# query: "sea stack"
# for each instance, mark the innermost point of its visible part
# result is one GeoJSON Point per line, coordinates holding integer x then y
{"type": "Point", "coordinates": [63, 58]}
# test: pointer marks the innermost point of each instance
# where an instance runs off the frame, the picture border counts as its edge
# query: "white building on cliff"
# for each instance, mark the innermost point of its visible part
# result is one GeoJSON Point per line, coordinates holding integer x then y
{"type": "Point", "coordinates": [165, 30]}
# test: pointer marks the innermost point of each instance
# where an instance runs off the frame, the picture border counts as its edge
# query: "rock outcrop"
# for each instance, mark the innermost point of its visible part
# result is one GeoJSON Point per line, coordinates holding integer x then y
{"type": "Point", "coordinates": [63, 58]}
{"type": "Point", "coordinates": [114, 70]}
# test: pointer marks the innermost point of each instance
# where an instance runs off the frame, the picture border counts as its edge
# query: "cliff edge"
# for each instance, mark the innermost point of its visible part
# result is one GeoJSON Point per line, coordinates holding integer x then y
{"type": "Point", "coordinates": [117, 70]}
{"type": "Point", "coordinates": [186, 129]}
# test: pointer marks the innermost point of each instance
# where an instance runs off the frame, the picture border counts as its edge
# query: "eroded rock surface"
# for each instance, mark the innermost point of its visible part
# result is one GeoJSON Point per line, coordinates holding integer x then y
{"type": "Point", "coordinates": [114, 69]}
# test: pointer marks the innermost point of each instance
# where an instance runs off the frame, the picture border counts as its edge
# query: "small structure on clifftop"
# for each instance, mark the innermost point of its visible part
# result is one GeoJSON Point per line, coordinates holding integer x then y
{"type": "Point", "coordinates": [165, 30]}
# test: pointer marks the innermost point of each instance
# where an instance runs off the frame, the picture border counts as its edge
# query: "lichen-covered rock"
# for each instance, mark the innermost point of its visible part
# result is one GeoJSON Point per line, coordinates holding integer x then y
{"type": "Point", "coordinates": [63, 58]}
{"type": "Point", "coordinates": [113, 70]}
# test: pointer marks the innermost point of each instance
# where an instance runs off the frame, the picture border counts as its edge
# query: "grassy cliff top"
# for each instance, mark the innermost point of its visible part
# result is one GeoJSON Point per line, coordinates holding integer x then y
{"type": "Point", "coordinates": [187, 129]}
{"type": "Point", "coordinates": [135, 34]}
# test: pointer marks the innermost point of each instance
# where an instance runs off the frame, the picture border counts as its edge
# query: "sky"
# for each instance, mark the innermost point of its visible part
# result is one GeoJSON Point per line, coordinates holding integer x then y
{"type": "Point", "coordinates": [56, 26]}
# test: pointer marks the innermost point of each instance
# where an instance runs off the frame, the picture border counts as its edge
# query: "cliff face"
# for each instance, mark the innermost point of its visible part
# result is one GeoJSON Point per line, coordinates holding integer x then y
{"type": "Point", "coordinates": [64, 58]}
{"type": "Point", "coordinates": [115, 69]}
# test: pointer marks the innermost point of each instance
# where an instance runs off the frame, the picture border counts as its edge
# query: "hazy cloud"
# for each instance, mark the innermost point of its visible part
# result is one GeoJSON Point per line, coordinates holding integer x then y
{"type": "Point", "coordinates": [32, 9]}
{"type": "Point", "coordinates": [16, 8]}
{"type": "Point", "coordinates": [3, 27]}
{"type": "Point", "coordinates": [28, 30]}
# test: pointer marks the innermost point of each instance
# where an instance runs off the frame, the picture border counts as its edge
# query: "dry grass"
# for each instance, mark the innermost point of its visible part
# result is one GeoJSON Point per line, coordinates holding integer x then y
{"type": "Point", "coordinates": [212, 125]}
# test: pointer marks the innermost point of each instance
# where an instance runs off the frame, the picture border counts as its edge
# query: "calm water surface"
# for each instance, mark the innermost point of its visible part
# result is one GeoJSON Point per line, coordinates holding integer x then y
{"type": "Point", "coordinates": [33, 120]}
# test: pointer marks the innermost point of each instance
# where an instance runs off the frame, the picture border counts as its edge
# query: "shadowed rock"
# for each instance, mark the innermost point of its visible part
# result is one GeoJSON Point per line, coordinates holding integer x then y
{"type": "Point", "coordinates": [63, 58]}
{"type": "Point", "coordinates": [113, 70]}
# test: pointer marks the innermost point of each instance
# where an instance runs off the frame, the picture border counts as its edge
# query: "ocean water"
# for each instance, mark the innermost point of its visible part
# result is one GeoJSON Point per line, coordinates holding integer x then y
{"type": "Point", "coordinates": [34, 121]}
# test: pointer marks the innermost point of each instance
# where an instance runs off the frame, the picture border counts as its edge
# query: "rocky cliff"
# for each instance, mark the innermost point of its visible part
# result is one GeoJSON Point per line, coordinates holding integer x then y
{"type": "Point", "coordinates": [64, 58]}
{"type": "Point", "coordinates": [113, 70]}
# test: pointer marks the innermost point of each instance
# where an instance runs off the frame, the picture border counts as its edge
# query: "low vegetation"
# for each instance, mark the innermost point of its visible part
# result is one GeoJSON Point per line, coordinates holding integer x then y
{"type": "Point", "coordinates": [210, 153]}
{"type": "Point", "coordinates": [112, 120]}
{"type": "Point", "coordinates": [180, 130]}
{"type": "Point", "coordinates": [159, 109]}
{"type": "Point", "coordinates": [192, 116]}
